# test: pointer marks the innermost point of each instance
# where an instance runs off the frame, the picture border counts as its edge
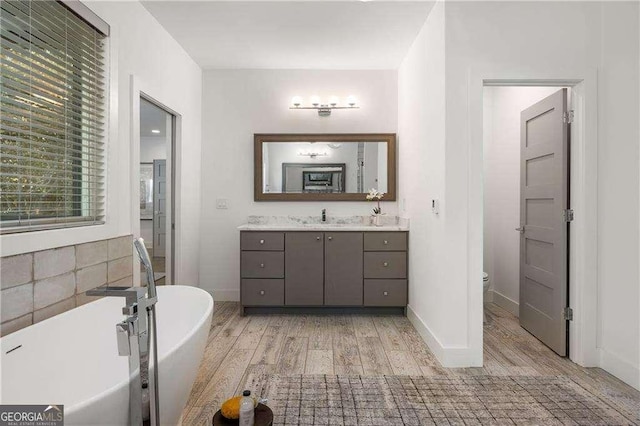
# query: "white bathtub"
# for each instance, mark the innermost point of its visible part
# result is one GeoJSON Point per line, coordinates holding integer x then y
{"type": "Point", "coordinates": [72, 358]}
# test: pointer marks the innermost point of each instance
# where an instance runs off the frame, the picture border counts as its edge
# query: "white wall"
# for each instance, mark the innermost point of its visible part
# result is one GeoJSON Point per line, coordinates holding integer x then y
{"type": "Point", "coordinates": [502, 107]}
{"type": "Point", "coordinates": [165, 72]}
{"type": "Point", "coordinates": [421, 94]}
{"type": "Point", "coordinates": [138, 45]}
{"type": "Point", "coordinates": [239, 103]}
{"type": "Point", "coordinates": [517, 40]}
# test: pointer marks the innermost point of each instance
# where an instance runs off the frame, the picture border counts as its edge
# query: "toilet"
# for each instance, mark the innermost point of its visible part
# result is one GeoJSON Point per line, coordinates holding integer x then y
{"type": "Point", "coordinates": [485, 288]}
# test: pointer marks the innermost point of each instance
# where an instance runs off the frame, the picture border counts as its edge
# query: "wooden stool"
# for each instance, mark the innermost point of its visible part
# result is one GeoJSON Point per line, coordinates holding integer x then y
{"type": "Point", "coordinates": [263, 417]}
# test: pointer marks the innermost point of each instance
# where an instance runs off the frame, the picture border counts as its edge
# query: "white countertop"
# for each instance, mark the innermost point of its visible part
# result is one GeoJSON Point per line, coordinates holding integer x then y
{"type": "Point", "coordinates": [334, 223]}
{"type": "Point", "coordinates": [322, 227]}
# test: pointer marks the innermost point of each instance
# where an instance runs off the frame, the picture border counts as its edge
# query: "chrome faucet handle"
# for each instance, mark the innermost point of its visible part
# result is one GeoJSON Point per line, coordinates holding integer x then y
{"type": "Point", "coordinates": [131, 294]}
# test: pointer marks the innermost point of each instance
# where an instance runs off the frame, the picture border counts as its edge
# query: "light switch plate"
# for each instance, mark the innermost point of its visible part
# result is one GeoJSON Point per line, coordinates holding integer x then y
{"type": "Point", "coordinates": [222, 203]}
{"type": "Point", "coordinates": [435, 206]}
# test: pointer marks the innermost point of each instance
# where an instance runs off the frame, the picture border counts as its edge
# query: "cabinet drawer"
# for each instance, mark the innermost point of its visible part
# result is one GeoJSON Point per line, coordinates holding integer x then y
{"type": "Point", "coordinates": [262, 264]}
{"type": "Point", "coordinates": [385, 264]}
{"type": "Point", "coordinates": [385, 292]}
{"type": "Point", "coordinates": [262, 241]}
{"type": "Point", "coordinates": [385, 241]}
{"type": "Point", "coordinates": [262, 292]}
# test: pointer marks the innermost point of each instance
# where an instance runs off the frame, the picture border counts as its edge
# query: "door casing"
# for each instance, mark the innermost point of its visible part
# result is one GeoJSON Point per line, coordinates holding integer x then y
{"type": "Point", "coordinates": [173, 166]}
{"type": "Point", "coordinates": [583, 230]}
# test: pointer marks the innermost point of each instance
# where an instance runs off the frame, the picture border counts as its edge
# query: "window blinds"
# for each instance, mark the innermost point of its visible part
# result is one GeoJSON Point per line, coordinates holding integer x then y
{"type": "Point", "coordinates": [52, 117]}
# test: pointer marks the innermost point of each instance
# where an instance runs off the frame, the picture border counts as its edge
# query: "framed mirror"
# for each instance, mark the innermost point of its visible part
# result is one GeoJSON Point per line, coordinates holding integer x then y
{"type": "Point", "coordinates": [324, 167]}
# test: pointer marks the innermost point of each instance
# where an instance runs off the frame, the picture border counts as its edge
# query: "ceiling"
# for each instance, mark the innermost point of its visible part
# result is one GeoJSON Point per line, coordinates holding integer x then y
{"type": "Point", "coordinates": [293, 34]}
{"type": "Point", "coordinates": [152, 118]}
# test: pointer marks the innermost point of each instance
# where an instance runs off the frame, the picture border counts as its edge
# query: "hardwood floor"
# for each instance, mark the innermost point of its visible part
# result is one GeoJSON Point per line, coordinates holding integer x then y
{"type": "Point", "coordinates": [241, 350]}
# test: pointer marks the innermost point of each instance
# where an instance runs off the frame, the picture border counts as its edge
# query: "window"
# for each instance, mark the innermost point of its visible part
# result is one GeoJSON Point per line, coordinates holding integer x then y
{"type": "Point", "coordinates": [52, 117]}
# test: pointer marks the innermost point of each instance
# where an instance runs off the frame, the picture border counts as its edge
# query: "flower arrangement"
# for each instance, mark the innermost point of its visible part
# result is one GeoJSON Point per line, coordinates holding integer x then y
{"type": "Point", "coordinates": [376, 195]}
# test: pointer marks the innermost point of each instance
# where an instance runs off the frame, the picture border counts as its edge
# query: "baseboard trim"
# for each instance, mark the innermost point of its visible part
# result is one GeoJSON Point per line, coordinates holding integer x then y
{"type": "Point", "coordinates": [505, 303]}
{"type": "Point", "coordinates": [449, 357]}
{"type": "Point", "coordinates": [623, 370]}
{"type": "Point", "coordinates": [226, 295]}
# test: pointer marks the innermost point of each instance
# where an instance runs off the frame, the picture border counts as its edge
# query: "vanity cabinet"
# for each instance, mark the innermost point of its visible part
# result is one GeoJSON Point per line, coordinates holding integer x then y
{"type": "Point", "coordinates": [304, 272]}
{"type": "Point", "coordinates": [321, 268]}
{"type": "Point", "coordinates": [385, 266]}
{"type": "Point", "coordinates": [343, 268]}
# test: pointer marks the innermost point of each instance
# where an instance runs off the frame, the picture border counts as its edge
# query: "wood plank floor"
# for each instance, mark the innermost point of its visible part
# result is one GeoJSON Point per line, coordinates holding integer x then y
{"type": "Point", "coordinates": [241, 350]}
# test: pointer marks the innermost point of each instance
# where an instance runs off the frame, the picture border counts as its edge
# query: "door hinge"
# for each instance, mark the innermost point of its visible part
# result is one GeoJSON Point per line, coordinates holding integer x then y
{"type": "Point", "coordinates": [568, 215]}
{"type": "Point", "coordinates": [567, 314]}
{"type": "Point", "coordinates": [567, 117]}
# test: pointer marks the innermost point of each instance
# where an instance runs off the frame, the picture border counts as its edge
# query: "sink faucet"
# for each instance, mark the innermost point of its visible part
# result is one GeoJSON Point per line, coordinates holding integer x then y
{"type": "Point", "coordinates": [134, 335]}
{"type": "Point", "coordinates": [324, 215]}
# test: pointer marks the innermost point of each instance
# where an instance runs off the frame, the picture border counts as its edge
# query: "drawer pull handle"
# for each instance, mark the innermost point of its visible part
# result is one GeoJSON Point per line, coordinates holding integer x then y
{"type": "Point", "coordinates": [385, 264]}
{"type": "Point", "coordinates": [262, 265]}
{"type": "Point", "coordinates": [385, 242]}
{"type": "Point", "coordinates": [385, 293]}
{"type": "Point", "coordinates": [261, 292]}
{"type": "Point", "coordinates": [261, 241]}
{"type": "Point", "coordinates": [318, 238]}
{"type": "Point", "coordinates": [330, 238]}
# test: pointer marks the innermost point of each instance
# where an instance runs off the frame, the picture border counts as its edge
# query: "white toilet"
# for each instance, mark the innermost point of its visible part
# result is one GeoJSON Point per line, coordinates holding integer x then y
{"type": "Point", "coordinates": [485, 287]}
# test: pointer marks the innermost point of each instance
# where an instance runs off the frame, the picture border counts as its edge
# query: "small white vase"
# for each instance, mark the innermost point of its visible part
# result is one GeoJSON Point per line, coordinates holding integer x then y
{"type": "Point", "coordinates": [376, 219]}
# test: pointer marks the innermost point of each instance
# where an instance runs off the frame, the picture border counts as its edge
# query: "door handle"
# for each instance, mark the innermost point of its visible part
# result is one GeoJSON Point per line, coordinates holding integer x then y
{"type": "Point", "coordinates": [520, 229]}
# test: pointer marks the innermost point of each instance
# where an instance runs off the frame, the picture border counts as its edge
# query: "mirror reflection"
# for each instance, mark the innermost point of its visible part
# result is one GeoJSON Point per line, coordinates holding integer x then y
{"type": "Point", "coordinates": [324, 167]}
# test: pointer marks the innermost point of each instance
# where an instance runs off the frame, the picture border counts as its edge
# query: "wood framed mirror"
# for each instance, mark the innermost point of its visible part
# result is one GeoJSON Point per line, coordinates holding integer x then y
{"type": "Point", "coordinates": [324, 167]}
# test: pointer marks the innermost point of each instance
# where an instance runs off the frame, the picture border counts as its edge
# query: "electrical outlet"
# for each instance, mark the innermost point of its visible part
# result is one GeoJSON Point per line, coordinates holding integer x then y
{"type": "Point", "coordinates": [222, 203]}
{"type": "Point", "coordinates": [404, 205]}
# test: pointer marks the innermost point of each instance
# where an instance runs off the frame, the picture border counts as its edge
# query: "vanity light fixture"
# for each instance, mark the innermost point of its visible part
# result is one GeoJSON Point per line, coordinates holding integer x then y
{"type": "Point", "coordinates": [324, 109]}
{"type": "Point", "coordinates": [156, 131]}
{"type": "Point", "coordinates": [312, 154]}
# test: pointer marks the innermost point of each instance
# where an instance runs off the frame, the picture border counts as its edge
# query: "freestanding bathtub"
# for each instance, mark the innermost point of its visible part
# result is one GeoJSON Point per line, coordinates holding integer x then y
{"type": "Point", "coordinates": [72, 358]}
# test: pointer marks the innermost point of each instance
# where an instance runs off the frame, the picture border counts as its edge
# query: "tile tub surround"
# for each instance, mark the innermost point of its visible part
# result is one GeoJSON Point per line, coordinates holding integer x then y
{"type": "Point", "coordinates": [39, 285]}
{"type": "Point", "coordinates": [314, 223]}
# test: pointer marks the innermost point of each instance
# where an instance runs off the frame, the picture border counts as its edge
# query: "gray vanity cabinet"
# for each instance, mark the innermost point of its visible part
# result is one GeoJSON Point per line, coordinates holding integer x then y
{"type": "Point", "coordinates": [304, 272]}
{"type": "Point", "coordinates": [323, 268]}
{"type": "Point", "coordinates": [343, 268]}
{"type": "Point", "coordinates": [385, 269]}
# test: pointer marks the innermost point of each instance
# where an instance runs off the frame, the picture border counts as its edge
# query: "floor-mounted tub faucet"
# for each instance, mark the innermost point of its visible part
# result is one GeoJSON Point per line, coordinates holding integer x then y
{"type": "Point", "coordinates": [324, 215]}
{"type": "Point", "coordinates": [134, 336]}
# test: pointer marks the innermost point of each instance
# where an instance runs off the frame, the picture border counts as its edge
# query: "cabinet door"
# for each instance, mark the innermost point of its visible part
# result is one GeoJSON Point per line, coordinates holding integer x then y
{"type": "Point", "coordinates": [304, 273]}
{"type": "Point", "coordinates": [343, 269]}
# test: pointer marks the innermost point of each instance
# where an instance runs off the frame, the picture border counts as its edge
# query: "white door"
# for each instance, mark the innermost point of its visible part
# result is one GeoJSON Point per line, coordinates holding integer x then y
{"type": "Point", "coordinates": [159, 208]}
{"type": "Point", "coordinates": [544, 180]}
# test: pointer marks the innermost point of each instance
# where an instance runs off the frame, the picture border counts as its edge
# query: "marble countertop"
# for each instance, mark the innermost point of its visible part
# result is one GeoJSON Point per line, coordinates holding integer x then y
{"type": "Point", "coordinates": [312, 223]}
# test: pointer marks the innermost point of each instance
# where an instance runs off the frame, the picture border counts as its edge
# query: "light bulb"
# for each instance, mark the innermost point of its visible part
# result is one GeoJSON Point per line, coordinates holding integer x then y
{"type": "Point", "coordinates": [334, 100]}
{"type": "Point", "coordinates": [296, 101]}
{"type": "Point", "coordinates": [351, 100]}
{"type": "Point", "coordinates": [315, 100]}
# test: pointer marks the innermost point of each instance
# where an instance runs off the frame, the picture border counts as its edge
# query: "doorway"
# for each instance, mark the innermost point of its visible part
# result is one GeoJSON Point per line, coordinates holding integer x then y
{"type": "Point", "coordinates": [157, 147]}
{"type": "Point", "coordinates": [526, 192]}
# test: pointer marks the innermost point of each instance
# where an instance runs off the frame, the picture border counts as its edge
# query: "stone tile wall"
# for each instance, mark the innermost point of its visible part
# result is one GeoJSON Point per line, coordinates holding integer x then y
{"type": "Point", "coordinates": [36, 286]}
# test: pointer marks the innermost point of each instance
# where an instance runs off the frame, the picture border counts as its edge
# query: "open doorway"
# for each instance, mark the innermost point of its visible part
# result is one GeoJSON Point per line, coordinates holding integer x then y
{"type": "Point", "coordinates": [157, 134]}
{"type": "Point", "coordinates": [526, 212]}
